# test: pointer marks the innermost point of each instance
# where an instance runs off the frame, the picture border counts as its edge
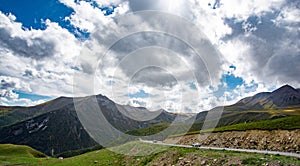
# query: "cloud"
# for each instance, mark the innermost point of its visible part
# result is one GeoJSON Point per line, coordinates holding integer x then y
{"type": "Point", "coordinates": [87, 17]}
{"type": "Point", "coordinates": [145, 48]}
{"type": "Point", "coordinates": [258, 37]}
{"type": "Point", "coordinates": [255, 36]}
{"type": "Point", "coordinates": [55, 69]}
{"type": "Point", "coordinates": [159, 53]}
{"type": "Point", "coordinates": [10, 83]}
{"type": "Point", "coordinates": [37, 60]}
{"type": "Point", "coordinates": [271, 51]}
{"type": "Point", "coordinates": [178, 7]}
{"type": "Point", "coordinates": [9, 97]}
{"type": "Point", "coordinates": [34, 47]}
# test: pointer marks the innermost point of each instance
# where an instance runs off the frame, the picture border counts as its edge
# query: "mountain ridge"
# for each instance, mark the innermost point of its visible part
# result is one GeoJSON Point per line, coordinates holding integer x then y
{"type": "Point", "coordinates": [283, 97]}
{"type": "Point", "coordinates": [58, 129]}
{"type": "Point", "coordinates": [45, 125]}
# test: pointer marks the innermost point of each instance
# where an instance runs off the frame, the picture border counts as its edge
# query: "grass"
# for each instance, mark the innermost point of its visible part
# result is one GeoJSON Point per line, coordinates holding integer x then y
{"type": "Point", "coordinates": [18, 154]}
{"type": "Point", "coordinates": [149, 130]}
{"type": "Point", "coordinates": [78, 152]}
{"type": "Point", "coordinates": [157, 128]}
{"type": "Point", "coordinates": [3, 111]}
{"type": "Point", "coordinates": [22, 155]}
{"type": "Point", "coordinates": [287, 123]}
{"type": "Point", "coordinates": [274, 112]}
{"type": "Point", "coordinates": [19, 151]}
{"type": "Point", "coordinates": [138, 148]}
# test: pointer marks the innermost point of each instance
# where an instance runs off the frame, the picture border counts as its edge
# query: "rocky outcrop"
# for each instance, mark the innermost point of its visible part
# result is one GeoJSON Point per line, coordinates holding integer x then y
{"type": "Point", "coordinates": [274, 140]}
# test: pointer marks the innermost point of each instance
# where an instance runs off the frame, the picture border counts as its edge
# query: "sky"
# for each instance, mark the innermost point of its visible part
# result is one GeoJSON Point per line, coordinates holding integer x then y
{"type": "Point", "coordinates": [179, 55]}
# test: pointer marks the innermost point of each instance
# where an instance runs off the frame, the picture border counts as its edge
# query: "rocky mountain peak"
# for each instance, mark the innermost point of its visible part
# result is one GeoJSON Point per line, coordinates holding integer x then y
{"type": "Point", "coordinates": [285, 89]}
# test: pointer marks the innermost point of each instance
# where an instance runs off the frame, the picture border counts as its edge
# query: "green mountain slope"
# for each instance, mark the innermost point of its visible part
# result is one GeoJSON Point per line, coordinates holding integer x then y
{"type": "Point", "coordinates": [284, 101]}
{"type": "Point", "coordinates": [54, 127]}
{"type": "Point", "coordinates": [18, 154]}
{"type": "Point", "coordinates": [284, 123]}
{"type": "Point", "coordinates": [171, 156]}
{"type": "Point", "coordinates": [60, 130]}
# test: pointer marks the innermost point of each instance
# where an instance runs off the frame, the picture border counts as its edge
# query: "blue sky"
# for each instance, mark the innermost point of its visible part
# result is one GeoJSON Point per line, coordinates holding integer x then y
{"type": "Point", "coordinates": [32, 12]}
{"type": "Point", "coordinates": [32, 15]}
{"type": "Point", "coordinates": [253, 58]}
{"type": "Point", "coordinates": [32, 97]}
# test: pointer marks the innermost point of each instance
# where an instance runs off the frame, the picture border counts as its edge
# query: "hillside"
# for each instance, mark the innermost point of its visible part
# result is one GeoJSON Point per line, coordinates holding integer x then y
{"type": "Point", "coordinates": [276, 135]}
{"type": "Point", "coordinates": [51, 133]}
{"type": "Point", "coordinates": [281, 98]}
{"type": "Point", "coordinates": [18, 154]}
{"type": "Point", "coordinates": [282, 123]}
{"type": "Point", "coordinates": [171, 156]}
{"type": "Point", "coordinates": [273, 140]}
{"type": "Point", "coordinates": [250, 109]}
{"type": "Point", "coordinates": [58, 129]}
{"type": "Point", "coordinates": [54, 127]}
{"type": "Point", "coordinates": [19, 151]}
{"type": "Point", "coordinates": [284, 101]}
{"type": "Point", "coordinates": [115, 113]}
{"type": "Point", "coordinates": [13, 114]}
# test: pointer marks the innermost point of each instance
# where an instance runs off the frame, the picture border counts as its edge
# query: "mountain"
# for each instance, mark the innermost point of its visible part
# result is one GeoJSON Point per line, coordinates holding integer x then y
{"type": "Point", "coordinates": [52, 133]}
{"type": "Point", "coordinates": [262, 106]}
{"type": "Point", "coordinates": [54, 127]}
{"type": "Point", "coordinates": [10, 114]}
{"type": "Point", "coordinates": [283, 97]}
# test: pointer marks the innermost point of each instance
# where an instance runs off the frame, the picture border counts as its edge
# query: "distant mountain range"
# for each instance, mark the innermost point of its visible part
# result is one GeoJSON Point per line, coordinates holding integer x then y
{"type": "Point", "coordinates": [262, 106]}
{"type": "Point", "coordinates": [284, 97]}
{"type": "Point", "coordinates": [54, 127]}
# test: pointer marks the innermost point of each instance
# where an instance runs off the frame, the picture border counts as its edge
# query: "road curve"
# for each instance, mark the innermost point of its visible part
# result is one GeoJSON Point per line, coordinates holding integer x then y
{"type": "Point", "coordinates": [228, 149]}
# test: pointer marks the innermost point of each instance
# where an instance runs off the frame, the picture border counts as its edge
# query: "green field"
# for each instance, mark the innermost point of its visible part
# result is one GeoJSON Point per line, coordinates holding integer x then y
{"type": "Point", "coordinates": [156, 128]}
{"type": "Point", "coordinates": [18, 154]}
{"type": "Point", "coordinates": [286, 123]}
{"type": "Point", "coordinates": [22, 155]}
{"type": "Point", "coordinates": [159, 155]}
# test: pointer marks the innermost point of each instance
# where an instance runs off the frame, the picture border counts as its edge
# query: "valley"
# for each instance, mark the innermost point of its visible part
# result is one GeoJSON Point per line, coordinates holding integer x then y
{"type": "Point", "coordinates": [171, 156]}
{"type": "Point", "coordinates": [266, 121]}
